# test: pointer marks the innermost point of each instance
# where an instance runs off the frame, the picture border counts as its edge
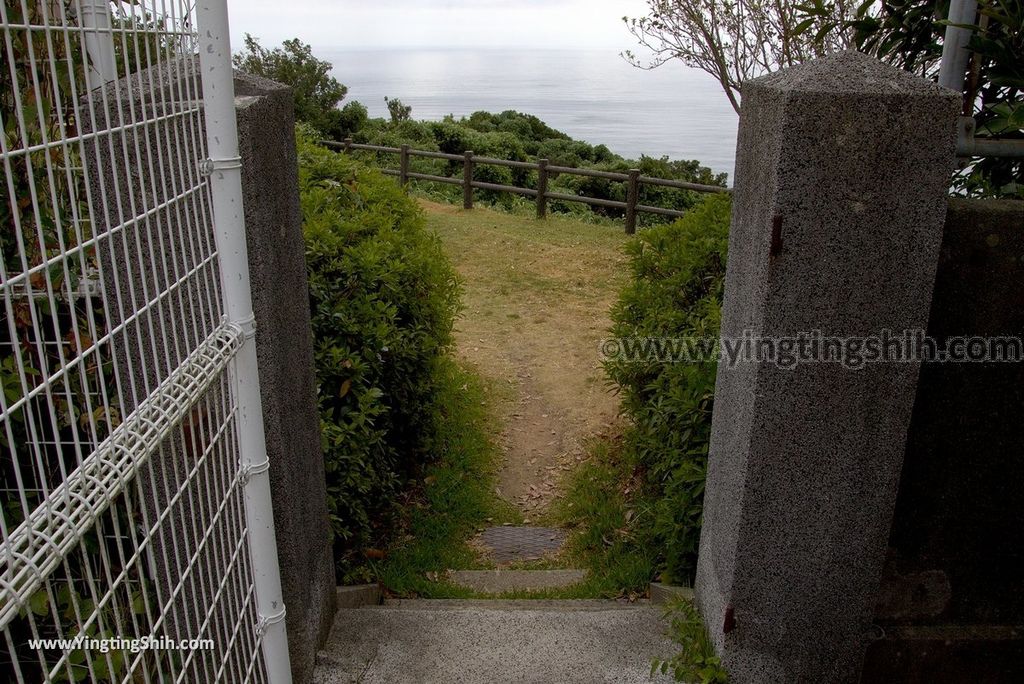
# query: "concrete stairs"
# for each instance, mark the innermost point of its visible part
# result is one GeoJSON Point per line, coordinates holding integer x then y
{"type": "Point", "coordinates": [503, 581]}
{"type": "Point", "coordinates": [494, 641]}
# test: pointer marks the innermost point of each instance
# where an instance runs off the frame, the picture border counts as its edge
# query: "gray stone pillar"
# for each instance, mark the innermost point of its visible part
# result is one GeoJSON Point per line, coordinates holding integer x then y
{"type": "Point", "coordinates": [842, 172]}
{"type": "Point", "coordinates": [284, 346]}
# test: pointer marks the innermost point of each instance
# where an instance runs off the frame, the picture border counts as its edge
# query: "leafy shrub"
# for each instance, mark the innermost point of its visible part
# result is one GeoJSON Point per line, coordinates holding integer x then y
{"type": "Point", "coordinates": [383, 300]}
{"type": "Point", "coordinates": [352, 118]}
{"type": "Point", "coordinates": [398, 110]}
{"type": "Point", "coordinates": [676, 289]}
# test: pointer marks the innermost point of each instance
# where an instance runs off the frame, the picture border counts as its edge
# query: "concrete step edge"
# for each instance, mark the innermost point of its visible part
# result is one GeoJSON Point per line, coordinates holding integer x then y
{"type": "Point", "coordinates": [552, 605]}
{"type": "Point", "coordinates": [501, 581]}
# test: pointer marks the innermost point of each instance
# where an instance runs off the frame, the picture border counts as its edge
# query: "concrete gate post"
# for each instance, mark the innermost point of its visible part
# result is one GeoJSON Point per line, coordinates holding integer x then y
{"type": "Point", "coordinates": [842, 171]}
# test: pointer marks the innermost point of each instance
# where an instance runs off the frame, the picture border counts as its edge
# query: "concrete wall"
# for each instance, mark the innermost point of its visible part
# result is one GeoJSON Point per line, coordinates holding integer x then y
{"type": "Point", "coordinates": [952, 598]}
{"type": "Point", "coordinates": [140, 170]}
{"type": "Point", "coordinates": [285, 349]}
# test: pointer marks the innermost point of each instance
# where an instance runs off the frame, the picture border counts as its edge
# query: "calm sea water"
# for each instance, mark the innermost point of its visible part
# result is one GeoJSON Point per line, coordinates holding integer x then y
{"type": "Point", "coordinates": [591, 95]}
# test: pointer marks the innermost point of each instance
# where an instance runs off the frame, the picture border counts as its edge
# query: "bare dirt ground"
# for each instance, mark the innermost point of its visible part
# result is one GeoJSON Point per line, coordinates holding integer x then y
{"type": "Point", "coordinates": [537, 296]}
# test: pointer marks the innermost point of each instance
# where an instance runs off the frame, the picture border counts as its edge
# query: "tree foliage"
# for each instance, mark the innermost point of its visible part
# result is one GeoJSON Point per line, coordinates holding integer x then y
{"type": "Point", "coordinates": [732, 40]}
{"type": "Point", "coordinates": [317, 93]}
{"type": "Point", "coordinates": [909, 33]}
{"type": "Point", "coordinates": [736, 40]}
{"type": "Point", "coordinates": [353, 117]}
{"type": "Point", "coordinates": [398, 110]}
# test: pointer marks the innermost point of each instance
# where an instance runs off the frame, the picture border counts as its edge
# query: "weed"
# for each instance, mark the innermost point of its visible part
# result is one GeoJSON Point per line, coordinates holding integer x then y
{"type": "Point", "coordinates": [696, 661]}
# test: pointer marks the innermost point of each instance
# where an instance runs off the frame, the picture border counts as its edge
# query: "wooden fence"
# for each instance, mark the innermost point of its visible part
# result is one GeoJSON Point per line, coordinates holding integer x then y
{"type": "Point", "coordinates": [633, 180]}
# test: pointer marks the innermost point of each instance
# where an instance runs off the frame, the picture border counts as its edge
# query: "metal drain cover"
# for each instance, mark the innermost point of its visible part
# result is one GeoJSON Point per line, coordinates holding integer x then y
{"type": "Point", "coordinates": [507, 544]}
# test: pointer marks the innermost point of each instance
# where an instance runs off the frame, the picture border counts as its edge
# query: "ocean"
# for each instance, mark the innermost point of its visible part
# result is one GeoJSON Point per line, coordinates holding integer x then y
{"type": "Point", "coordinates": [592, 95]}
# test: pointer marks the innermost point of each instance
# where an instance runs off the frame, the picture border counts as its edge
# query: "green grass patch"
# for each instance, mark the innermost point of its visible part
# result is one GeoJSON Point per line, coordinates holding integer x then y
{"type": "Point", "coordinates": [611, 532]}
{"type": "Point", "coordinates": [455, 498]}
{"type": "Point", "coordinates": [610, 524]}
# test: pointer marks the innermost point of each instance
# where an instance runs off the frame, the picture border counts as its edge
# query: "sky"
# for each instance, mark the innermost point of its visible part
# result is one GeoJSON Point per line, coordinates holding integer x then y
{"type": "Point", "coordinates": [437, 23]}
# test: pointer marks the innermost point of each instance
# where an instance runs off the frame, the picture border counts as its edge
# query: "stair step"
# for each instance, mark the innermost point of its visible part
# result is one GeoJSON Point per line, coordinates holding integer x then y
{"type": "Point", "coordinates": [538, 605]}
{"type": "Point", "coordinates": [502, 581]}
{"type": "Point", "coordinates": [495, 641]}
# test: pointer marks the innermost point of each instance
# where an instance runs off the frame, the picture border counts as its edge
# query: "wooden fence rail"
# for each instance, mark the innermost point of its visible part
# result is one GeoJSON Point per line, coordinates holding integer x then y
{"type": "Point", "coordinates": [633, 180]}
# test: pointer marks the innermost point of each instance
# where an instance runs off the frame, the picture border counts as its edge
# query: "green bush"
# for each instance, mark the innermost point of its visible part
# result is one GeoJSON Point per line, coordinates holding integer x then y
{"type": "Point", "coordinates": [675, 291]}
{"type": "Point", "coordinates": [383, 299]}
{"type": "Point", "coordinates": [352, 118]}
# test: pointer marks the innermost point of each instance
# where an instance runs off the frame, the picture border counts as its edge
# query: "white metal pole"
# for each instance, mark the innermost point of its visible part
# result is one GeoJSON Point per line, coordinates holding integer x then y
{"type": "Point", "coordinates": [953, 67]}
{"type": "Point", "coordinates": [99, 43]}
{"type": "Point", "coordinates": [225, 169]}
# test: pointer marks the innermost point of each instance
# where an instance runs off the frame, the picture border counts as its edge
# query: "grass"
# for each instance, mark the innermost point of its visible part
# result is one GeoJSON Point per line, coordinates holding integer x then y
{"type": "Point", "coordinates": [522, 274]}
{"type": "Point", "coordinates": [456, 496]}
{"type": "Point", "coordinates": [696, 661]}
{"type": "Point", "coordinates": [604, 508]}
{"type": "Point", "coordinates": [509, 259]}
{"type": "Point", "coordinates": [535, 308]}
{"type": "Point", "coordinates": [605, 516]}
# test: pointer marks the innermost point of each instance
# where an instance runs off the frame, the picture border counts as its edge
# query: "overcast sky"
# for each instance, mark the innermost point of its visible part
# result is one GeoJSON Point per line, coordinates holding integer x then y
{"type": "Point", "coordinates": [437, 23]}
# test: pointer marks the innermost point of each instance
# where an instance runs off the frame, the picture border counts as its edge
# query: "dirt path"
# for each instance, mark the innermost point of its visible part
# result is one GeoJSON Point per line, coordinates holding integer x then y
{"type": "Point", "coordinates": [537, 296]}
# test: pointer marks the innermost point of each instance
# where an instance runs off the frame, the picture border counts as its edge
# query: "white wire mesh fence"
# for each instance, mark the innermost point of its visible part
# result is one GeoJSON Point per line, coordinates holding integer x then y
{"type": "Point", "coordinates": [127, 512]}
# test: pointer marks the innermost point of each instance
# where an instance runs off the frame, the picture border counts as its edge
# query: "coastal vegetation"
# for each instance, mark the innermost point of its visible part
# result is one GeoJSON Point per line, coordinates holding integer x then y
{"type": "Point", "coordinates": [510, 135]}
{"type": "Point", "coordinates": [384, 298]}
{"type": "Point", "coordinates": [518, 136]}
{"type": "Point", "coordinates": [650, 482]}
{"type": "Point", "coordinates": [410, 434]}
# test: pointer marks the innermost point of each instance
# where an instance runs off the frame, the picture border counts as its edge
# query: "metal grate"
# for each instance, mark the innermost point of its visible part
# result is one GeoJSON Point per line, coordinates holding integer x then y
{"type": "Point", "coordinates": [510, 544]}
{"type": "Point", "coordinates": [133, 493]}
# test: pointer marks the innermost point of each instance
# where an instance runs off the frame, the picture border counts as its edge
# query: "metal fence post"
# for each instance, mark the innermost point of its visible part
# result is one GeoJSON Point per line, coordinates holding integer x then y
{"type": "Point", "coordinates": [348, 146]}
{"type": "Point", "coordinates": [953, 67]}
{"type": "Point", "coordinates": [403, 166]}
{"type": "Point", "coordinates": [467, 180]}
{"type": "Point", "coordinates": [99, 41]}
{"type": "Point", "coordinates": [224, 167]}
{"type": "Point", "coordinates": [542, 188]}
{"type": "Point", "coordinates": [632, 197]}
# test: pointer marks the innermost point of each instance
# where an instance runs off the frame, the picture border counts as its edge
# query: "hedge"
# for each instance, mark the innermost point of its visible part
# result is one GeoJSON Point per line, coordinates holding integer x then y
{"type": "Point", "coordinates": [675, 291]}
{"type": "Point", "coordinates": [383, 299]}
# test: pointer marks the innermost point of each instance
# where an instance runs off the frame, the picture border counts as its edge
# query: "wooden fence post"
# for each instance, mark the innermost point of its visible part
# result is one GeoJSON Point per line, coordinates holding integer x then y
{"type": "Point", "coordinates": [467, 180]}
{"type": "Point", "coordinates": [403, 166]}
{"type": "Point", "coordinates": [348, 146]}
{"type": "Point", "coordinates": [632, 198]}
{"type": "Point", "coordinates": [542, 188]}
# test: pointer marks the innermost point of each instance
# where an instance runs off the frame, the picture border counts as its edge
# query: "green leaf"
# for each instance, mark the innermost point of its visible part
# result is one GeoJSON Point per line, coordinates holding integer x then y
{"type": "Point", "coordinates": [800, 28]}
{"type": "Point", "coordinates": [39, 603]}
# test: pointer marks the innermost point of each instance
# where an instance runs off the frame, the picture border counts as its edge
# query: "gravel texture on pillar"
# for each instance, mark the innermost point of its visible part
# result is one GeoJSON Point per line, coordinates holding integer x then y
{"type": "Point", "coordinates": [842, 171]}
{"type": "Point", "coordinates": [284, 346]}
